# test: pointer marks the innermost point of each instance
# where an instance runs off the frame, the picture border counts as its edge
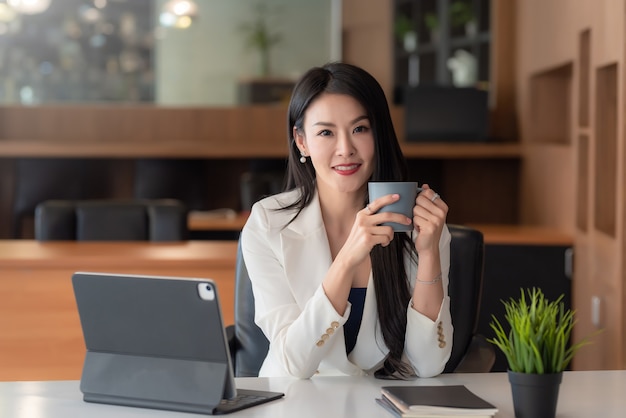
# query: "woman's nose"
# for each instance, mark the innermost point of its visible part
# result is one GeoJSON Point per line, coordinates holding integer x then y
{"type": "Point", "coordinates": [345, 147]}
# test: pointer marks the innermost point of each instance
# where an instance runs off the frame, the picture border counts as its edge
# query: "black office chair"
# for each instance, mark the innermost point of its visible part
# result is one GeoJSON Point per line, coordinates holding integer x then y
{"type": "Point", "coordinates": [470, 351]}
{"type": "Point", "coordinates": [256, 185]}
{"type": "Point", "coordinates": [40, 179]}
{"type": "Point", "coordinates": [111, 220]}
{"type": "Point", "coordinates": [186, 180]}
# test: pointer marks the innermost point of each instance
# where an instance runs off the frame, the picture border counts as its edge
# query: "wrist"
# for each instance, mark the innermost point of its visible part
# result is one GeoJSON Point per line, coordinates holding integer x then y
{"type": "Point", "coordinates": [429, 255]}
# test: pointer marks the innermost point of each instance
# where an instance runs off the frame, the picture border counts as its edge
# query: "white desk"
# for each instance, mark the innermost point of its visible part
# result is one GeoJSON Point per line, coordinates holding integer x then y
{"type": "Point", "coordinates": [583, 394]}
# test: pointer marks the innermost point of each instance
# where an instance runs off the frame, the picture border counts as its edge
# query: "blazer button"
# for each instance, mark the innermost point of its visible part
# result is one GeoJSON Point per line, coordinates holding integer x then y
{"type": "Point", "coordinates": [334, 324]}
{"type": "Point", "coordinates": [330, 331]}
{"type": "Point", "coordinates": [442, 344]}
{"type": "Point", "coordinates": [320, 343]}
{"type": "Point", "coordinates": [324, 337]}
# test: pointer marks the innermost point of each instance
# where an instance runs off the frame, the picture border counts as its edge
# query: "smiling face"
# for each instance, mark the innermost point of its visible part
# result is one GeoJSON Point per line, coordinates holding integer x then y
{"type": "Point", "coordinates": [338, 138]}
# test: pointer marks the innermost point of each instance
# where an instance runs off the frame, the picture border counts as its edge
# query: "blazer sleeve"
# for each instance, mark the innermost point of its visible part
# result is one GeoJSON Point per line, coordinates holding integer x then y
{"type": "Point", "coordinates": [428, 343]}
{"type": "Point", "coordinates": [300, 334]}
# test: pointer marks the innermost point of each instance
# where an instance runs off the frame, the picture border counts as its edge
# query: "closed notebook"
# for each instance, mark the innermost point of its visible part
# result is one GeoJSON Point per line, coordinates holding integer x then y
{"type": "Point", "coordinates": [427, 401]}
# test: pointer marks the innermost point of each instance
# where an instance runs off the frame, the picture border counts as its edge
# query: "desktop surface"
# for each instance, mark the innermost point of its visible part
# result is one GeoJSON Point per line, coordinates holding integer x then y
{"type": "Point", "coordinates": [582, 394]}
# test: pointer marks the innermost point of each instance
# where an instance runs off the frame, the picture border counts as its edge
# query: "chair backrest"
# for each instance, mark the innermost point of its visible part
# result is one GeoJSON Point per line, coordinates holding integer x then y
{"type": "Point", "coordinates": [111, 220]}
{"type": "Point", "coordinates": [256, 185]}
{"type": "Point", "coordinates": [186, 180]}
{"type": "Point", "coordinates": [251, 344]}
{"type": "Point", "coordinates": [464, 289]}
{"type": "Point", "coordinates": [40, 179]}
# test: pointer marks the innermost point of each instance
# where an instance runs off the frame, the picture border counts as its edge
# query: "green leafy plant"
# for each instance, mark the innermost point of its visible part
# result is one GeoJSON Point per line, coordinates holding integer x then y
{"type": "Point", "coordinates": [402, 26]}
{"type": "Point", "coordinates": [259, 36]}
{"type": "Point", "coordinates": [431, 21]}
{"type": "Point", "coordinates": [539, 337]}
{"type": "Point", "coordinates": [460, 13]}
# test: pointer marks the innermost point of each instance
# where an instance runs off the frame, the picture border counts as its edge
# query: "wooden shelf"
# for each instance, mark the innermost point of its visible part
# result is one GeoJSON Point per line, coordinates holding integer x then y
{"type": "Point", "coordinates": [140, 131]}
{"type": "Point", "coordinates": [198, 221]}
{"type": "Point", "coordinates": [232, 138]}
{"type": "Point", "coordinates": [461, 150]}
{"type": "Point", "coordinates": [606, 184]}
{"type": "Point", "coordinates": [173, 149]}
{"type": "Point", "coordinates": [523, 235]}
{"type": "Point", "coordinates": [550, 101]}
{"type": "Point", "coordinates": [188, 149]}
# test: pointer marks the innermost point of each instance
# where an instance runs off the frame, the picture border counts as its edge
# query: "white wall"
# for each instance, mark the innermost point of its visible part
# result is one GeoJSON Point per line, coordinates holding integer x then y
{"type": "Point", "coordinates": [201, 65]}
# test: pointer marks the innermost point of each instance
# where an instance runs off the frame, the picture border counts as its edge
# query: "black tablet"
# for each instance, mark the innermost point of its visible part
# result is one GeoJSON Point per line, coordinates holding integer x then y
{"type": "Point", "coordinates": [157, 342]}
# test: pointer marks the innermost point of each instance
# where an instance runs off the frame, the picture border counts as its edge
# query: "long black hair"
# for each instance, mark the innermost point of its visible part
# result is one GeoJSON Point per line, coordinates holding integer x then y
{"type": "Point", "coordinates": [390, 279]}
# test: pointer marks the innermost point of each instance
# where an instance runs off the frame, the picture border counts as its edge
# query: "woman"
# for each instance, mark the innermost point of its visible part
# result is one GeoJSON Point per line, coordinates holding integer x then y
{"type": "Point", "coordinates": [335, 291]}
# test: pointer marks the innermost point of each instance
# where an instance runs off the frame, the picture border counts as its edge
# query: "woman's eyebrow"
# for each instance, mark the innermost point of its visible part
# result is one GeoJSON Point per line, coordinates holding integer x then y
{"type": "Point", "coordinates": [360, 118]}
{"type": "Point", "coordinates": [352, 122]}
{"type": "Point", "coordinates": [322, 123]}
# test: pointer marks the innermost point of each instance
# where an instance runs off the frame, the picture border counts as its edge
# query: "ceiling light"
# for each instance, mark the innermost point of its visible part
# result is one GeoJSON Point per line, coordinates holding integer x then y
{"type": "Point", "coordinates": [29, 7]}
{"type": "Point", "coordinates": [7, 14]}
{"type": "Point", "coordinates": [178, 13]}
{"type": "Point", "coordinates": [181, 8]}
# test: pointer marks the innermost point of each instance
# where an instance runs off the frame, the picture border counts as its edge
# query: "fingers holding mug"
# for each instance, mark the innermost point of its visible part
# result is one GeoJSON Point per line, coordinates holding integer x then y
{"type": "Point", "coordinates": [428, 197]}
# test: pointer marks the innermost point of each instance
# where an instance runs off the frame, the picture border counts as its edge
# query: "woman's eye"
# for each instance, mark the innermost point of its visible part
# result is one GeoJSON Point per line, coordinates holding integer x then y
{"type": "Point", "coordinates": [361, 129]}
{"type": "Point", "coordinates": [325, 132]}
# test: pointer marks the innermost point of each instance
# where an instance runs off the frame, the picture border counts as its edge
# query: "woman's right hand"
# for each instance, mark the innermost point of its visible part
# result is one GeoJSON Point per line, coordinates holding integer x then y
{"type": "Point", "coordinates": [368, 231]}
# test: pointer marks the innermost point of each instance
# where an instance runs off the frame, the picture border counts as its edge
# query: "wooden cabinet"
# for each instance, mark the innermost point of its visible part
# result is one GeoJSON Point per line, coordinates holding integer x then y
{"type": "Point", "coordinates": [571, 112]}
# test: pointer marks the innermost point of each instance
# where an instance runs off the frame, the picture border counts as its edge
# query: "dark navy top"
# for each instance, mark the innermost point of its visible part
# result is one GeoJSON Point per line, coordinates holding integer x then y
{"type": "Point", "coordinates": [352, 325]}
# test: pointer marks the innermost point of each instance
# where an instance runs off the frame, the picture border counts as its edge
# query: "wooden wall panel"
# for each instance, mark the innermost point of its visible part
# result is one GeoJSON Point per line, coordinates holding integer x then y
{"type": "Point", "coordinates": [583, 184]}
{"type": "Point", "coordinates": [589, 202]}
{"type": "Point", "coordinates": [230, 131]}
{"type": "Point", "coordinates": [584, 77]}
{"type": "Point", "coordinates": [605, 175]}
{"type": "Point", "coordinates": [503, 119]}
{"type": "Point", "coordinates": [550, 105]}
{"type": "Point", "coordinates": [367, 38]}
{"type": "Point", "coordinates": [547, 186]}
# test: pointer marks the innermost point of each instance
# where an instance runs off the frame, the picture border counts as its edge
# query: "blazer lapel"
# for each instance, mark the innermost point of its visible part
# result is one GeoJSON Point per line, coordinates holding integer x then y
{"type": "Point", "coordinates": [307, 252]}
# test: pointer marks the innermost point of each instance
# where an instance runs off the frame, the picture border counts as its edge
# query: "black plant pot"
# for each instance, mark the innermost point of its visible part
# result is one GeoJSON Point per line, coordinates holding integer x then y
{"type": "Point", "coordinates": [535, 395]}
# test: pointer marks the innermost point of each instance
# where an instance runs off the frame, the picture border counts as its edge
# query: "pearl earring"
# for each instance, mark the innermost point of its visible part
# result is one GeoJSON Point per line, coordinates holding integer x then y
{"type": "Point", "coordinates": [302, 158]}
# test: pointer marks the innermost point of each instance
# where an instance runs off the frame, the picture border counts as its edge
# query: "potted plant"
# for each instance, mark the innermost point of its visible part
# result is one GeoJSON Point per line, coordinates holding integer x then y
{"type": "Point", "coordinates": [461, 15]}
{"type": "Point", "coordinates": [432, 24]}
{"type": "Point", "coordinates": [537, 348]}
{"type": "Point", "coordinates": [260, 36]}
{"type": "Point", "coordinates": [405, 33]}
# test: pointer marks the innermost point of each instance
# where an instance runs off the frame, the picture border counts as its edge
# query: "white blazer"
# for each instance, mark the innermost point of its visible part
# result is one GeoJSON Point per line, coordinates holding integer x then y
{"type": "Point", "coordinates": [287, 264]}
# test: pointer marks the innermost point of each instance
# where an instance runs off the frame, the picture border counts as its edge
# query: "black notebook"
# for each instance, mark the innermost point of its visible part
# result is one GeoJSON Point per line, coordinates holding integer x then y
{"type": "Point", "coordinates": [435, 401]}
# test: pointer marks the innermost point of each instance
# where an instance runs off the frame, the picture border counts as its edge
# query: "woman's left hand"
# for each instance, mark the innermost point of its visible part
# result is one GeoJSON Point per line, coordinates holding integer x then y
{"type": "Point", "coordinates": [429, 218]}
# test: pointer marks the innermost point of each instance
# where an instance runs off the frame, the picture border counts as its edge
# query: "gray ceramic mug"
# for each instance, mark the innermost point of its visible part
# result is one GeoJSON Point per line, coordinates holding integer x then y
{"type": "Point", "coordinates": [407, 190]}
